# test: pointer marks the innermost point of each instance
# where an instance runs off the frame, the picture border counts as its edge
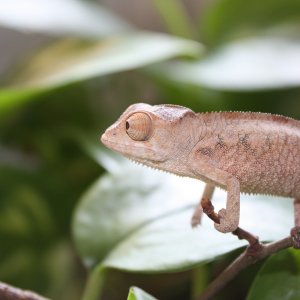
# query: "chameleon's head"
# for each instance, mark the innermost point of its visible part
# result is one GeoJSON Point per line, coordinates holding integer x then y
{"type": "Point", "coordinates": [156, 136]}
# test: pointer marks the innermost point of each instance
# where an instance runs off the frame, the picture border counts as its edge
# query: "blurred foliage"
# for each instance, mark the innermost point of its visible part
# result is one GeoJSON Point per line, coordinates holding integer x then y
{"type": "Point", "coordinates": [278, 278]}
{"type": "Point", "coordinates": [137, 294]}
{"type": "Point", "coordinates": [78, 222]}
{"type": "Point", "coordinates": [231, 19]}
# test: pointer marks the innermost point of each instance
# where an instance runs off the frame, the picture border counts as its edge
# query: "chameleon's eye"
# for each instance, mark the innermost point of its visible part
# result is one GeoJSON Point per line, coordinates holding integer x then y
{"type": "Point", "coordinates": [139, 126]}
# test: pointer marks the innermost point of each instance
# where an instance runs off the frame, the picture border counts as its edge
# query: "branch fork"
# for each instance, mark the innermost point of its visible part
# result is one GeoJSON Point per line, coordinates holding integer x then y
{"type": "Point", "coordinates": [254, 252]}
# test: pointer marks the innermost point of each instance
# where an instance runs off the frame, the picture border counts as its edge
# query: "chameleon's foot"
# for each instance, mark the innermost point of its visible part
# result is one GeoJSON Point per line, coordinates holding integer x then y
{"type": "Point", "coordinates": [226, 223]}
{"type": "Point", "coordinates": [196, 217]}
{"type": "Point", "coordinates": [208, 209]}
{"type": "Point", "coordinates": [295, 235]}
{"type": "Point", "coordinates": [223, 223]}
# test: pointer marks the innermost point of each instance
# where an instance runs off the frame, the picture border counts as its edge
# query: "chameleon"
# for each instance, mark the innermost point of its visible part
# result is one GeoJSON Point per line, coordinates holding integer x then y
{"type": "Point", "coordinates": [241, 152]}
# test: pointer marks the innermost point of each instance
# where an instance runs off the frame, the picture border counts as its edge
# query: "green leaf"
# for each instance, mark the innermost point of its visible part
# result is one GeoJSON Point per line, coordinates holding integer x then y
{"type": "Point", "coordinates": [120, 202]}
{"type": "Point", "coordinates": [71, 61]}
{"type": "Point", "coordinates": [95, 284]}
{"type": "Point", "coordinates": [226, 19]}
{"type": "Point", "coordinates": [137, 219]}
{"type": "Point", "coordinates": [137, 294]}
{"type": "Point", "coordinates": [169, 244]}
{"type": "Point", "coordinates": [67, 17]}
{"type": "Point", "coordinates": [249, 64]}
{"type": "Point", "coordinates": [75, 60]}
{"type": "Point", "coordinates": [279, 278]}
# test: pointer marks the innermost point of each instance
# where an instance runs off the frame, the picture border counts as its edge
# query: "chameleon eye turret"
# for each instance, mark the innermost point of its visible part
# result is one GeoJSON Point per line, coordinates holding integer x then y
{"type": "Point", "coordinates": [139, 126]}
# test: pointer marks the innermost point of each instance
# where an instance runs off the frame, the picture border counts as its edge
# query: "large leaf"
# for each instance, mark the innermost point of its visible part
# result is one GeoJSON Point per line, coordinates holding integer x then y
{"type": "Point", "coordinates": [121, 202]}
{"type": "Point", "coordinates": [61, 17]}
{"type": "Point", "coordinates": [137, 219]}
{"type": "Point", "coordinates": [71, 61]}
{"type": "Point", "coordinates": [226, 19]}
{"type": "Point", "coordinates": [169, 244]}
{"type": "Point", "coordinates": [247, 64]}
{"type": "Point", "coordinates": [74, 60]}
{"type": "Point", "coordinates": [137, 294]}
{"type": "Point", "coordinates": [279, 278]}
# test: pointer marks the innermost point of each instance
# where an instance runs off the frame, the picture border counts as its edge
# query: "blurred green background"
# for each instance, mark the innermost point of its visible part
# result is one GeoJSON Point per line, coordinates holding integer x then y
{"type": "Point", "coordinates": [74, 216]}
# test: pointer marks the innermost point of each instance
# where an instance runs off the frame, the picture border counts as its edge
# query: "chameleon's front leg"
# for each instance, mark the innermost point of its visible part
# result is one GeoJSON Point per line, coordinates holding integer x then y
{"type": "Point", "coordinates": [229, 217]}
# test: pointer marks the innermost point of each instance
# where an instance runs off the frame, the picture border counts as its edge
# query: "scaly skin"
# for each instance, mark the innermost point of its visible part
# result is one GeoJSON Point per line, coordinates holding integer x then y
{"type": "Point", "coordinates": [238, 151]}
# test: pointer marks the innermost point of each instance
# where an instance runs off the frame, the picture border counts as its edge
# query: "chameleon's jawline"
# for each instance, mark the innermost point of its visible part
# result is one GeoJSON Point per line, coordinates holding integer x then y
{"type": "Point", "coordinates": [141, 155]}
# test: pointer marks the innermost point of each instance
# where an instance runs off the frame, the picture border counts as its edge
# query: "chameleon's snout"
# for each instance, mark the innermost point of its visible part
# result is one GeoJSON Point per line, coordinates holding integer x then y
{"type": "Point", "coordinates": [104, 138]}
{"type": "Point", "coordinates": [109, 137]}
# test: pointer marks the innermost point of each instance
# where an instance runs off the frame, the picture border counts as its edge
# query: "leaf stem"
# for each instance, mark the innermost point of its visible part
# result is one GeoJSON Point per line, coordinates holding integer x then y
{"type": "Point", "coordinates": [95, 283]}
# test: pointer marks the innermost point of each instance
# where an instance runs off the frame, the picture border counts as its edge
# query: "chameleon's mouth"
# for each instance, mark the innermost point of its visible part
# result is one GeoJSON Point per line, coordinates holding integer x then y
{"type": "Point", "coordinates": [134, 150]}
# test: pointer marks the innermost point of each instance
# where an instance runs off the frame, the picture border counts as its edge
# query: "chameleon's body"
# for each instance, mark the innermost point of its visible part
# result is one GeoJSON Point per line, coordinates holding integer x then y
{"type": "Point", "coordinates": [240, 152]}
{"type": "Point", "coordinates": [261, 150]}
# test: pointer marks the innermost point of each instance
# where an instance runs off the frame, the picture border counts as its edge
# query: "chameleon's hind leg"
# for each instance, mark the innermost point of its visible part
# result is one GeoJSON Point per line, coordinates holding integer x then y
{"type": "Point", "coordinates": [207, 195]}
{"type": "Point", "coordinates": [295, 231]}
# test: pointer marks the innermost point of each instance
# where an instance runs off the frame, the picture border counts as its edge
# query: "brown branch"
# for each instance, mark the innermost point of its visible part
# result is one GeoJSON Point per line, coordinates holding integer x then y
{"type": "Point", "coordinates": [208, 209]}
{"type": "Point", "coordinates": [295, 231]}
{"type": "Point", "coordinates": [8, 292]}
{"type": "Point", "coordinates": [243, 261]}
{"type": "Point", "coordinates": [255, 252]}
{"type": "Point", "coordinates": [297, 212]}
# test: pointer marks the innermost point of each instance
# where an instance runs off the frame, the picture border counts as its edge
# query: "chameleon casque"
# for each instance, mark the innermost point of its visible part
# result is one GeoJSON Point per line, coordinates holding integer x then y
{"type": "Point", "coordinates": [247, 152]}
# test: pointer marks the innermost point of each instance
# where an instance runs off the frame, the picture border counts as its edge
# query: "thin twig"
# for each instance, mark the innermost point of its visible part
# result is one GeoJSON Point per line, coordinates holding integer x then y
{"type": "Point", "coordinates": [208, 209]}
{"type": "Point", "coordinates": [295, 231]}
{"type": "Point", "coordinates": [243, 261]}
{"type": "Point", "coordinates": [297, 212]}
{"type": "Point", "coordinates": [8, 292]}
